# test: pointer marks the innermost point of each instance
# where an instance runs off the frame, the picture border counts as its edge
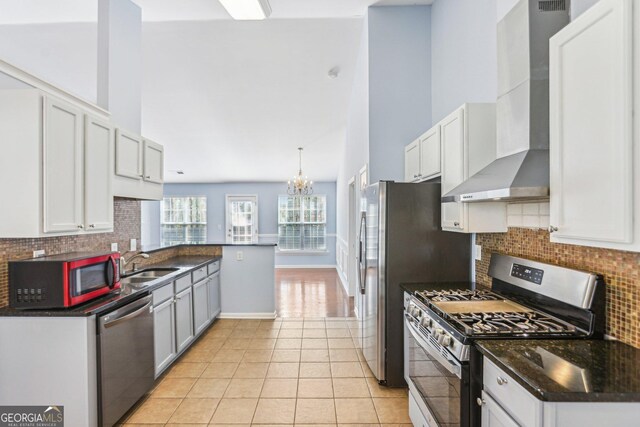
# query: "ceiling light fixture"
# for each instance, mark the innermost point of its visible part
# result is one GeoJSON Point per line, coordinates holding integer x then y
{"type": "Point", "coordinates": [300, 186]}
{"type": "Point", "coordinates": [247, 9]}
{"type": "Point", "coordinates": [334, 73]}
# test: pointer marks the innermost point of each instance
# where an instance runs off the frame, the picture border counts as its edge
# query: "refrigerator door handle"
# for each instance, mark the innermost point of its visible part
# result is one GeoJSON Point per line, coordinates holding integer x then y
{"type": "Point", "coordinates": [363, 252]}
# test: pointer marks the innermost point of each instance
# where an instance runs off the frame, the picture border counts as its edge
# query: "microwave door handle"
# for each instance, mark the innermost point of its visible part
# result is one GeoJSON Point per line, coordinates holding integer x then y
{"type": "Point", "coordinates": [114, 273]}
{"type": "Point", "coordinates": [448, 364]}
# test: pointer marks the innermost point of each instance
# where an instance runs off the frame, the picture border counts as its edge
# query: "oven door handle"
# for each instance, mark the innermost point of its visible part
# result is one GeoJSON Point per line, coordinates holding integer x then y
{"type": "Point", "coordinates": [449, 364]}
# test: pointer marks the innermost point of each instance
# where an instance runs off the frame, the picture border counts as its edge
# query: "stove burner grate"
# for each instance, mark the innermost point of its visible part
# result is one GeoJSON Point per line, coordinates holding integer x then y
{"type": "Point", "coordinates": [474, 324]}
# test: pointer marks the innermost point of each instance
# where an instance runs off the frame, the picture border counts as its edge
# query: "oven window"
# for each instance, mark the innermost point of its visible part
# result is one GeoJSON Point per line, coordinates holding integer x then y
{"type": "Point", "coordinates": [89, 278]}
{"type": "Point", "coordinates": [440, 389]}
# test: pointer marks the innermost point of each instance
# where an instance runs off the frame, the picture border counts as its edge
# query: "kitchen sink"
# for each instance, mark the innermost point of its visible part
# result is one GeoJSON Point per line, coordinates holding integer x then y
{"type": "Point", "coordinates": [149, 274]}
{"type": "Point", "coordinates": [135, 280]}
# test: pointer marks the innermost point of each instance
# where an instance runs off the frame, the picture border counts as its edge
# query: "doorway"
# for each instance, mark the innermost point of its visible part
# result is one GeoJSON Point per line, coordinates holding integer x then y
{"type": "Point", "coordinates": [242, 218]}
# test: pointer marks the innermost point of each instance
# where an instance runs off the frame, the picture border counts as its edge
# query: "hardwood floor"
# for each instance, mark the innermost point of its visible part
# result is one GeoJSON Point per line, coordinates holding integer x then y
{"type": "Point", "coordinates": [311, 293]}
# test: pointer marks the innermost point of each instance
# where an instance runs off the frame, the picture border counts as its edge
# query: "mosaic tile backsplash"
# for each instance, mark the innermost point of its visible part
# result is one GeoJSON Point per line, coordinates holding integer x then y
{"type": "Point", "coordinates": [126, 227]}
{"type": "Point", "coordinates": [621, 271]}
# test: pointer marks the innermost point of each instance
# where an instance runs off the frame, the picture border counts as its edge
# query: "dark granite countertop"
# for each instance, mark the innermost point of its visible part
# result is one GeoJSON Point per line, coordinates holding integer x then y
{"type": "Point", "coordinates": [423, 286]}
{"type": "Point", "coordinates": [569, 370]}
{"type": "Point", "coordinates": [126, 294]}
{"type": "Point", "coordinates": [155, 248]}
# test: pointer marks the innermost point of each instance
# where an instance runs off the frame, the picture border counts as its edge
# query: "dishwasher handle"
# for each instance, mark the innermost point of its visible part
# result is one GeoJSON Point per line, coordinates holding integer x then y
{"type": "Point", "coordinates": [109, 322]}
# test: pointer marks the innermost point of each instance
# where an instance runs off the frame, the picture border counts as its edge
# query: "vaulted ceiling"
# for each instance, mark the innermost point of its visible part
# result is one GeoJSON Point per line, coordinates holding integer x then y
{"type": "Point", "coordinates": [232, 100]}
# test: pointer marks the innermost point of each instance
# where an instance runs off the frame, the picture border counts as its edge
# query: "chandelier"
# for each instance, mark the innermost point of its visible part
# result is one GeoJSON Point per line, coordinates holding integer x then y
{"type": "Point", "coordinates": [300, 186]}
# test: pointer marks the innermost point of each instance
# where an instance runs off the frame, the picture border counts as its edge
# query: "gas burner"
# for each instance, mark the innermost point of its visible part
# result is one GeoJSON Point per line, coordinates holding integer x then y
{"type": "Point", "coordinates": [457, 295]}
{"type": "Point", "coordinates": [474, 324]}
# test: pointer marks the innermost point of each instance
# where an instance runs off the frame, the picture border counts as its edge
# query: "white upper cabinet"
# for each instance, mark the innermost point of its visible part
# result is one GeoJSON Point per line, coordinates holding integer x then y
{"type": "Point", "coordinates": [139, 167]}
{"type": "Point", "coordinates": [422, 157]}
{"type": "Point", "coordinates": [412, 162]}
{"type": "Point", "coordinates": [430, 153]}
{"type": "Point", "coordinates": [128, 155]}
{"type": "Point", "coordinates": [468, 144]}
{"type": "Point", "coordinates": [62, 167]}
{"type": "Point", "coordinates": [62, 160]}
{"type": "Point", "coordinates": [98, 162]}
{"type": "Point", "coordinates": [153, 162]}
{"type": "Point", "coordinates": [595, 198]}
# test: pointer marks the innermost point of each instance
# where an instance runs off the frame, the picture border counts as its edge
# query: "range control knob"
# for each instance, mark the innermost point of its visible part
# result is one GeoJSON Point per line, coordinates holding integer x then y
{"type": "Point", "coordinates": [415, 311]}
{"type": "Point", "coordinates": [444, 340]}
{"type": "Point", "coordinates": [437, 332]}
{"type": "Point", "coordinates": [425, 322]}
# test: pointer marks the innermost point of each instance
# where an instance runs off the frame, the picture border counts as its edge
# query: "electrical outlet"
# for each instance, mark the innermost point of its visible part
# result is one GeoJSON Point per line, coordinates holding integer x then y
{"type": "Point", "coordinates": [114, 247]}
{"type": "Point", "coordinates": [133, 245]}
{"type": "Point", "coordinates": [38, 253]}
{"type": "Point", "coordinates": [478, 252]}
{"type": "Point", "coordinates": [239, 256]}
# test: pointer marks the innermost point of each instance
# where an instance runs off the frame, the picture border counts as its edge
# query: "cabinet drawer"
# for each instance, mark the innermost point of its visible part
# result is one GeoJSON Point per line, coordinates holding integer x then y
{"type": "Point", "coordinates": [183, 283]}
{"type": "Point", "coordinates": [521, 405]}
{"type": "Point", "coordinates": [213, 267]}
{"type": "Point", "coordinates": [163, 294]}
{"type": "Point", "coordinates": [199, 274]}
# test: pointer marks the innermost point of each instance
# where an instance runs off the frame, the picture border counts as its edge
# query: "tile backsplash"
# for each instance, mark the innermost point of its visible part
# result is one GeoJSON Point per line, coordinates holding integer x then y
{"type": "Point", "coordinates": [528, 215]}
{"type": "Point", "coordinates": [621, 271]}
{"type": "Point", "coordinates": [126, 227]}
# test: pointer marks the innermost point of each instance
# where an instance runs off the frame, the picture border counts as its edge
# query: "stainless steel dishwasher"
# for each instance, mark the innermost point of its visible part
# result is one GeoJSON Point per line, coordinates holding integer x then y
{"type": "Point", "coordinates": [125, 358]}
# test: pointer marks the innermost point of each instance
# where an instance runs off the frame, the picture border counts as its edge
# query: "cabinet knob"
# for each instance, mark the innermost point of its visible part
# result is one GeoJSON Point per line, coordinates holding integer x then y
{"type": "Point", "coordinates": [552, 229]}
{"type": "Point", "coordinates": [456, 224]}
{"type": "Point", "coordinates": [415, 176]}
{"type": "Point", "coordinates": [419, 174]}
{"type": "Point", "coordinates": [92, 226]}
{"type": "Point", "coordinates": [141, 176]}
{"type": "Point", "coordinates": [501, 381]}
{"type": "Point", "coordinates": [147, 176]}
{"type": "Point", "coordinates": [80, 226]}
{"type": "Point", "coordinates": [480, 401]}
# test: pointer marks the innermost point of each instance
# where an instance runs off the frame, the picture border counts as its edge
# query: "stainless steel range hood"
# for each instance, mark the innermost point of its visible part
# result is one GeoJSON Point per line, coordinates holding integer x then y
{"type": "Point", "coordinates": [521, 170]}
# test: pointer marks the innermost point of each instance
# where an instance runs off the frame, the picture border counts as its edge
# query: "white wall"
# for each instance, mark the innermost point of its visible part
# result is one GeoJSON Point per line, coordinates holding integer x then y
{"type": "Point", "coordinates": [64, 55]}
{"type": "Point", "coordinates": [119, 87]}
{"type": "Point", "coordinates": [464, 61]}
{"type": "Point", "coordinates": [399, 85]}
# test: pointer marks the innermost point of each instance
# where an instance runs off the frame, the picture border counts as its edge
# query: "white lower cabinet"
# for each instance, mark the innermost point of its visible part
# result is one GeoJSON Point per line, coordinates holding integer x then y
{"type": "Point", "coordinates": [493, 415]}
{"type": "Point", "coordinates": [164, 332]}
{"type": "Point", "coordinates": [184, 319]}
{"type": "Point", "coordinates": [213, 289]}
{"type": "Point", "coordinates": [506, 403]}
{"type": "Point", "coordinates": [201, 305]}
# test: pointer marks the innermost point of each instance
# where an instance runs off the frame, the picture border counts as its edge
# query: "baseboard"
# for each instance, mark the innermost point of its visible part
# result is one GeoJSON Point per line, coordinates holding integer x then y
{"type": "Point", "coordinates": [248, 315]}
{"type": "Point", "coordinates": [306, 266]}
{"type": "Point", "coordinates": [343, 280]}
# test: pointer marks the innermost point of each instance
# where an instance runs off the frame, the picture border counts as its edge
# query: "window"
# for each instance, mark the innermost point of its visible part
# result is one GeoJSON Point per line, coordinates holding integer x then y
{"type": "Point", "coordinates": [242, 219]}
{"type": "Point", "coordinates": [302, 223]}
{"type": "Point", "coordinates": [184, 220]}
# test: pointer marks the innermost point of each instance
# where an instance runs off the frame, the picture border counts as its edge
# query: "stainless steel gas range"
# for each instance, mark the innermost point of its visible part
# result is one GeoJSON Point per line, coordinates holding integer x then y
{"type": "Point", "coordinates": [527, 299]}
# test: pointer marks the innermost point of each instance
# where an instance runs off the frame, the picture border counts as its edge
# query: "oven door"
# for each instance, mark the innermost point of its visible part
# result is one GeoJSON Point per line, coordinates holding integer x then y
{"type": "Point", "coordinates": [441, 381]}
{"type": "Point", "coordinates": [89, 278]}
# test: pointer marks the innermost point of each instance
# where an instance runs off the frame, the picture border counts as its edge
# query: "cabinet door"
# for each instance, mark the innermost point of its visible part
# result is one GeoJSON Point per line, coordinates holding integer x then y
{"type": "Point", "coordinates": [98, 164]}
{"type": "Point", "coordinates": [184, 319]}
{"type": "Point", "coordinates": [430, 153]}
{"type": "Point", "coordinates": [200, 305]}
{"type": "Point", "coordinates": [63, 167]}
{"type": "Point", "coordinates": [153, 162]}
{"type": "Point", "coordinates": [412, 162]}
{"type": "Point", "coordinates": [214, 296]}
{"type": "Point", "coordinates": [493, 415]}
{"type": "Point", "coordinates": [453, 167]}
{"type": "Point", "coordinates": [128, 155]}
{"type": "Point", "coordinates": [591, 83]}
{"type": "Point", "coordinates": [164, 331]}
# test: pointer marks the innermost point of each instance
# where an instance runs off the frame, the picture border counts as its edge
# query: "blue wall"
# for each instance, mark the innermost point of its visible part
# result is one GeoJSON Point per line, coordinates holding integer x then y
{"type": "Point", "coordinates": [267, 215]}
{"type": "Point", "coordinates": [399, 85]}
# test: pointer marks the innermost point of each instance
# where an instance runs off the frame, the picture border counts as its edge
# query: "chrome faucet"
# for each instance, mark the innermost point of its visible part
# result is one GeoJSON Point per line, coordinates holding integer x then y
{"type": "Point", "coordinates": [124, 262]}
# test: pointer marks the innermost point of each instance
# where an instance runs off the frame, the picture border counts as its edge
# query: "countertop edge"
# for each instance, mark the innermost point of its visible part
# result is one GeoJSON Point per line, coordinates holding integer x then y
{"type": "Point", "coordinates": [111, 305]}
{"type": "Point", "coordinates": [157, 248]}
{"type": "Point", "coordinates": [566, 397]}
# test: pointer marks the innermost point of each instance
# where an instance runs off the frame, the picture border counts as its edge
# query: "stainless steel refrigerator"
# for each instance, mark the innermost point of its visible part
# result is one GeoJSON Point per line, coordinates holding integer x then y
{"type": "Point", "coordinates": [400, 242]}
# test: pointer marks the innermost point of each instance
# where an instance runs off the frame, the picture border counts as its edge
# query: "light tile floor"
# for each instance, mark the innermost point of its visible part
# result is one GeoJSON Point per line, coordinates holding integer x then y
{"type": "Point", "coordinates": [288, 371]}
